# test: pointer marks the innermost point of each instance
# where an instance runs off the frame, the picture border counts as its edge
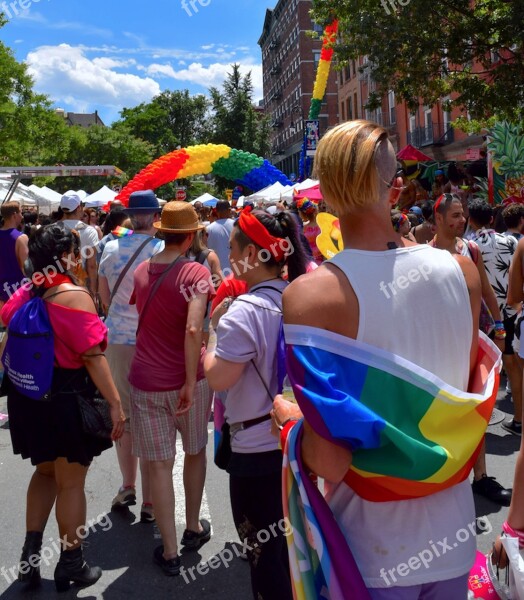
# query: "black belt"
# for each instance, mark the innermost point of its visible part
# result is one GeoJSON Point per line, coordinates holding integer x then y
{"type": "Point", "coordinates": [234, 428]}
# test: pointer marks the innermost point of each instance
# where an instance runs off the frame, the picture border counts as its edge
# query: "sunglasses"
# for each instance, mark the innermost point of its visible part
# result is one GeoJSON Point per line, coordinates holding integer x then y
{"type": "Point", "coordinates": [447, 197]}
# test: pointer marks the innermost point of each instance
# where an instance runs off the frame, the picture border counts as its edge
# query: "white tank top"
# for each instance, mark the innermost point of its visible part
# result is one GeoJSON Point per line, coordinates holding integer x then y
{"type": "Point", "coordinates": [413, 302]}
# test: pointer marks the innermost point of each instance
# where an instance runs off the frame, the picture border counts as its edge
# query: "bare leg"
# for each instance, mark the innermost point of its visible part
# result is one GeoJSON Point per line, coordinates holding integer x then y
{"type": "Point", "coordinates": [163, 495]}
{"type": "Point", "coordinates": [41, 495]}
{"type": "Point", "coordinates": [479, 468]}
{"type": "Point", "coordinates": [146, 482]}
{"type": "Point", "coordinates": [514, 372]}
{"type": "Point", "coordinates": [194, 480]}
{"type": "Point", "coordinates": [70, 501]}
{"type": "Point", "coordinates": [127, 462]}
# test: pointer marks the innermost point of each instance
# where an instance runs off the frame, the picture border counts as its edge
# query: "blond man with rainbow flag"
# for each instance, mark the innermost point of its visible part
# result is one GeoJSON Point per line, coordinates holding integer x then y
{"type": "Point", "coordinates": [391, 422]}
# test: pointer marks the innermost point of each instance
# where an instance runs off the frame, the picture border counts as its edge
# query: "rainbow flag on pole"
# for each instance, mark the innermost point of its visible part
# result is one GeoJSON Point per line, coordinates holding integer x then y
{"type": "Point", "coordinates": [411, 435]}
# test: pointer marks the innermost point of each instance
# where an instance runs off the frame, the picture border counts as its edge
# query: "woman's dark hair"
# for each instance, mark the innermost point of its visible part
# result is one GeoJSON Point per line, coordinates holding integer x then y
{"type": "Point", "coordinates": [455, 175]}
{"type": "Point", "coordinates": [281, 225]}
{"type": "Point", "coordinates": [114, 219]}
{"type": "Point", "coordinates": [427, 209]}
{"type": "Point", "coordinates": [30, 220]}
{"type": "Point", "coordinates": [47, 245]}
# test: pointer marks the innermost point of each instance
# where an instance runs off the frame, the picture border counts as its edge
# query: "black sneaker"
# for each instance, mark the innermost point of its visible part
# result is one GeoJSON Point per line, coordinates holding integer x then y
{"type": "Point", "coordinates": [513, 427]}
{"type": "Point", "coordinates": [170, 566]}
{"type": "Point", "coordinates": [193, 539]}
{"type": "Point", "coordinates": [490, 488]}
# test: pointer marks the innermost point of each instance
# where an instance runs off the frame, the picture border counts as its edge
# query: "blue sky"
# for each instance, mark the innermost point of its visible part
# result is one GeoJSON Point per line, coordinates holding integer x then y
{"type": "Point", "coordinates": [91, 54]}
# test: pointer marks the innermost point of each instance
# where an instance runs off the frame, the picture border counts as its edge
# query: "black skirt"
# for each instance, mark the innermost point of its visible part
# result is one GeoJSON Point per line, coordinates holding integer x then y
{"type": "Point", "coordinates": [44, 430]}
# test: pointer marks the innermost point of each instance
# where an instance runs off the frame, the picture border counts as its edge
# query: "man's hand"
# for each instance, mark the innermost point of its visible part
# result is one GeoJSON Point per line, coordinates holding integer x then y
{"type": "Point", "coordinates": [282, 411]}
{"type": "Point", "coordinates": [220, 311]}
{"type": "Point", "coordinates": [185, 398]}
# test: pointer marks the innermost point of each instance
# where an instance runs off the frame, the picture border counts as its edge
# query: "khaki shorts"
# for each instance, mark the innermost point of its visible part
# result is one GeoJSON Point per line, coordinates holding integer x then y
{"type": "Point", "coordinates": [154, 423]}
{"type": "Point", "coordinates": [119, 357]}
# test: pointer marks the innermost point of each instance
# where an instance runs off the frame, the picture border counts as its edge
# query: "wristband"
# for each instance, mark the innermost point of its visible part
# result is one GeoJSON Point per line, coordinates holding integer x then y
{"type": "Point", "coordinates": [282, 425]}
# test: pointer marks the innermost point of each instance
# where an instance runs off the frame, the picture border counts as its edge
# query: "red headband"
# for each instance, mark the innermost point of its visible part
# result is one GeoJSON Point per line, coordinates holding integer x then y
{"type": "Point", "coordinates": [255, 231]}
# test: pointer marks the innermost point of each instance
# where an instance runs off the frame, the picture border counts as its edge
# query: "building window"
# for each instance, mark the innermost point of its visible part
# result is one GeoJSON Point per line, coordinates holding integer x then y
{"type": "Point", "coordinates": [355, 104]}
{"type": "Point", "coordinates": [349, 111]}
{"type": "Point", "coordinates": [392, 108]}
{"type": "Point", "coordinates": [316, 59]}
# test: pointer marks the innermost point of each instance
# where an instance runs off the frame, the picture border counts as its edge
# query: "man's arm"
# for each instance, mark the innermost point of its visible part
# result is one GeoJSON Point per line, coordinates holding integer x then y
{"type": "Point", "coordinates": [192, 349]}
{"type": "Point", "coordinates": [91, 270]}
{"type": "Point", "coordinates": [301, 307]}
{"type": "Point", "coordinates": [473, 283]}
{"type": "Point", "coordinates": [516, 277]}
{"type": "Point", "coordinates": [22, 251]}
{"type": "Point", "coordinates": [104, 292]}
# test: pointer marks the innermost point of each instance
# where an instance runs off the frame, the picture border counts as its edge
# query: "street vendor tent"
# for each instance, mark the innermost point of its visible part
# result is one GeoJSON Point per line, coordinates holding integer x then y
{"type": "Point", "coordinates": [410, 153]}
{"type": "Point", "coordinates": [27, 197]}
{"type": "Point", "coordinates": [100, 197]}
{"type": "Point", "coordinates": [206, 199]}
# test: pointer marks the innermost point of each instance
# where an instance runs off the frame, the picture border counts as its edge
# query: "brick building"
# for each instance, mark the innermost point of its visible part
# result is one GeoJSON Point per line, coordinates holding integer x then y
{"type": "Point", "coordinates": [428, 129]}
{"type": "Point", "coordinates": [289, 61]}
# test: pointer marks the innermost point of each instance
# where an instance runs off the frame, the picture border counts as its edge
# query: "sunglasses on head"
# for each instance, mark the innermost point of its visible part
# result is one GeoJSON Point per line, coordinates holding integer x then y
{"type": "Point", "coordinates": [447, 197]}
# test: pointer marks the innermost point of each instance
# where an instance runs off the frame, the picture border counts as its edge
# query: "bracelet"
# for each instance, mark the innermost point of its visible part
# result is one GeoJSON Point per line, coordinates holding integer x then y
{"type": "Point", "coordinates": [498, 323]}
{"type": "Point", "coordinates": [282, 425]}
{"type": "Point", "coordinates": [500, 334]}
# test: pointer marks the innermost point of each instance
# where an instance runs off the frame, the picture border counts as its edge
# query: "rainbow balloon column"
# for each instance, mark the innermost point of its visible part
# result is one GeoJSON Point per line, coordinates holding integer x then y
{"type": "Point", "coordinates": [324, 65]}
{"type": "Point", "coordinates": [241, 167]}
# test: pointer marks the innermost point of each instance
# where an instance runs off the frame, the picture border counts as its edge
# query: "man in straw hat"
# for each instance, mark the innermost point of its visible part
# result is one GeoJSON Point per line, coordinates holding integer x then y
{"type": "Point", "coordinates": [168, 390]}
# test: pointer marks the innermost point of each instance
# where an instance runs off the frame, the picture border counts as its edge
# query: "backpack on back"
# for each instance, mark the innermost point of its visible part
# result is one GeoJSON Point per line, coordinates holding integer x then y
{"type": "Point", "coordinates": [29, 353]}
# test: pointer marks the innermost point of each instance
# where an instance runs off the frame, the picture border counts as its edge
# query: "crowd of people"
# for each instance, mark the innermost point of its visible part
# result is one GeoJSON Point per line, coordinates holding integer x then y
{"type": "Point", "coordinates": [179, 312]}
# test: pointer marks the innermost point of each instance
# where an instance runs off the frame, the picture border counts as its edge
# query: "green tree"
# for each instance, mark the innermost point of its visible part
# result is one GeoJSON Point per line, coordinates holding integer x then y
{"type": "Point", "coordinates": [103, 146]}
{"type": "Point", "coordinates": [29, 128]}
{"type": "Point", "coordinates": [428, 50]}
{"type": "Point", "coordinates": [171, 119]}
{"type": "Point", "coordinates": [234, 120]}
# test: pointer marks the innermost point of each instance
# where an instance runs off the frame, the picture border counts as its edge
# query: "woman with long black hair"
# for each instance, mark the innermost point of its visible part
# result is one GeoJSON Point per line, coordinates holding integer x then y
{"type": "Point", "coordinates": [50, 432]}
{"type": "Point", "coordinates": [242, 358]}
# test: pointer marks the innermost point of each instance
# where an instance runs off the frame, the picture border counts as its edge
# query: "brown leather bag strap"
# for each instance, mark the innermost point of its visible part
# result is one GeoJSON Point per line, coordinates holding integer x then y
{"type": "Point", "coordinates": [153, 292]}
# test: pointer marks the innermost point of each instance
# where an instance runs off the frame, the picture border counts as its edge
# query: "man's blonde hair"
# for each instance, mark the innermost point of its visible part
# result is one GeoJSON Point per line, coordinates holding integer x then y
{"type": "Point", "coordinates": [351, 162]}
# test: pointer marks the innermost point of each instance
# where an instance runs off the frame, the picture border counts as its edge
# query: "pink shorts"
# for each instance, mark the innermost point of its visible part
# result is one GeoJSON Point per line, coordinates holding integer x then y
{"type": "Point", "coordinates": [154, 423]}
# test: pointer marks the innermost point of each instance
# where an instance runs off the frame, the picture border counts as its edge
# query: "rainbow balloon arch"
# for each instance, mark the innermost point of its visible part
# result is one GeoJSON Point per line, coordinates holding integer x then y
{"type": "Point", "coordinates": [243, 168]}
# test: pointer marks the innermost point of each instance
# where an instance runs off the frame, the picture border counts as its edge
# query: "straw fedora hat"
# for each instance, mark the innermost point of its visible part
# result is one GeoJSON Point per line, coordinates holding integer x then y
{"type": "Point", "coordinates": [178, 217]}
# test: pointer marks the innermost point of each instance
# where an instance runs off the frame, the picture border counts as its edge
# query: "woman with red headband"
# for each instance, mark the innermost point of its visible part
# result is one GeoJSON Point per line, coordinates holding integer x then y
{"type": "Point", "coordinates": [242, 359]}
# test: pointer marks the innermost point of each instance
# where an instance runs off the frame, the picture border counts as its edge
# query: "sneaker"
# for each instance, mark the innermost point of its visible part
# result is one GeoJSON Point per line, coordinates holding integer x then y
{"type": "Point", "coordinates": [193, 539]}
{"type": "Point", "coordinates": [147, 514]}
{"type": "Point", "coordinates": [125, 497]}
{"type": "Point", "coordinates": [170, 566]}
{"type": "Point", "coordinates": [490, 488]}
{"type": "Point", "coordinates": [513, 427]}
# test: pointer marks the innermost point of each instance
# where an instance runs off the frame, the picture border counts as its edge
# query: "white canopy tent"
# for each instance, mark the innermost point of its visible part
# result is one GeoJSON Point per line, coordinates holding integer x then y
{"type": "Point", "coordinates": [272, 193]}
{"type": "Point", "coordinates": [204, 198]}
{"type": "Point", "coordinates": [26, 196]}
{"type": "Point", "coordinates": [305, 185]}
{"type": "Point", "coordinates": [101, 197]}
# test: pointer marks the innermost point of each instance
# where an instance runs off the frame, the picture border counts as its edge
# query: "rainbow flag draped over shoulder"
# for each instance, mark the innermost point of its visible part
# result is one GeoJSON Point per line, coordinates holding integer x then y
{"type": "Point", "coordinates": [411, 435]}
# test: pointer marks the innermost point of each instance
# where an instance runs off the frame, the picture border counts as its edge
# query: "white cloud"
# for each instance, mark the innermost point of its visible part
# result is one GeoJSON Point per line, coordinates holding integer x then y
{"type": "Point", "coordinates": [67, 75]}
{"type": "Point", "coordinates": [210, 75]}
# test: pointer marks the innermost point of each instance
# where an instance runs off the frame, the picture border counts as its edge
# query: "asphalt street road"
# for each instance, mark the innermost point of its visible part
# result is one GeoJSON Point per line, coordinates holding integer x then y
{"type": "Point", "coordinates": [123, 547]}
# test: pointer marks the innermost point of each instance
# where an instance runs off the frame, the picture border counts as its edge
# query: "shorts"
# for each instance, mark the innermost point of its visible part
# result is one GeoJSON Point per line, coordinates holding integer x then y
{"type": "Point", "coordinates": [154, 423]}
{"type": "Point", "coordinates": [509, 326]}
{"type": "Point", "coordinates": [450, 589]}
{"type": "Point", "coordinates": [119, 357]}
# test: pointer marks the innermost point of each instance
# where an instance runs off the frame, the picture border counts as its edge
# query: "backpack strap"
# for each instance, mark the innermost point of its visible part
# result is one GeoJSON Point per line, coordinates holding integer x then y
{"type": "Point", "coordinates": [201, 257]}
{"type": "Point", "coordinates": [123, 273]}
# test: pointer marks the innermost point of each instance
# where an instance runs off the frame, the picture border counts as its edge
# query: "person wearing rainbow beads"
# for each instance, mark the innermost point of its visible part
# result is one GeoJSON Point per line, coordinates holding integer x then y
{"type": "Point", "coordinates": [388, 421]}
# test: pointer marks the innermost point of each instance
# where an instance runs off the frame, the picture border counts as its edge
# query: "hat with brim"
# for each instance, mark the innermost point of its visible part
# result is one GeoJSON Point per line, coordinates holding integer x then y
{"type": "Point", "coordinates": [142, 202]}
{"type": "Point", "coordinates": [179, 217]}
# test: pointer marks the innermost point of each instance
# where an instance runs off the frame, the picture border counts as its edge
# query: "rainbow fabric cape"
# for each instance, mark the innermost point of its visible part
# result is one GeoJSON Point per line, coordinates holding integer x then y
{"type": "Point", "coordinates": [411, 435]}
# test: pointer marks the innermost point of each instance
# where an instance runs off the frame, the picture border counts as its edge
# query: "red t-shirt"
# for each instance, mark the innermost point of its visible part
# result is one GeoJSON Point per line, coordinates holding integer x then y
{"type": "Point", "coordinates": [230, 287]}
{"type": "Point", "coordinates": [159, 361]}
